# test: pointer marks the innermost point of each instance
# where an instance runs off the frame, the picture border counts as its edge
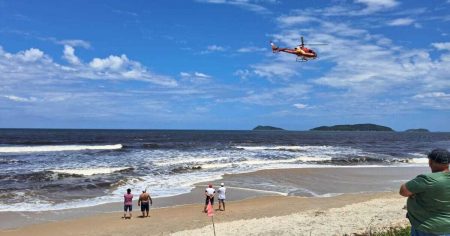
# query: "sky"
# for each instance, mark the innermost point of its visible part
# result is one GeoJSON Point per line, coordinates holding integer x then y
{"type": "Point", "coordinates": [207, 64]}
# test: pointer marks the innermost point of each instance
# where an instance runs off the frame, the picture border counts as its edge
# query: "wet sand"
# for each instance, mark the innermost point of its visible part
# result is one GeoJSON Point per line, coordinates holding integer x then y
{"type": "Point", "coordinates": [183, 212]}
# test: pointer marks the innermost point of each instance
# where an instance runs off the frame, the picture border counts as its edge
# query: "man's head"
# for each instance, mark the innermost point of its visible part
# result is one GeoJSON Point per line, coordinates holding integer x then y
{"type": "Point", "coordinates": [129, 191]}
{"type": "Point", "coordinates": [222, 184]}
{"type": "Point", "coordinates": [210, 185]}
{"type": "Point", "coordinates": [143, 191]}
{"type": "Point", "coordinates": [439, 159]}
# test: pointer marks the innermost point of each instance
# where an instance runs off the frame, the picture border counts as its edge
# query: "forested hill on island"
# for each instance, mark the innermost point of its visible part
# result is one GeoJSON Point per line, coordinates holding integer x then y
{"type": "Point", "coordinates": [356, 127]}
{"type": "Point", "coordinates": [262, 128]}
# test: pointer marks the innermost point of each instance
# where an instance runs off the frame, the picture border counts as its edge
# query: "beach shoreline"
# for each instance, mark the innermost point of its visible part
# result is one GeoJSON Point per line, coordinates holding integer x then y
{"type": "Point", "coordinates": [258, 202]}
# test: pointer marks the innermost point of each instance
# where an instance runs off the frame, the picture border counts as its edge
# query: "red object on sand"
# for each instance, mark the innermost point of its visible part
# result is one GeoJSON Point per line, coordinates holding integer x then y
{"type": "Point", "coordinates": [210, 209]}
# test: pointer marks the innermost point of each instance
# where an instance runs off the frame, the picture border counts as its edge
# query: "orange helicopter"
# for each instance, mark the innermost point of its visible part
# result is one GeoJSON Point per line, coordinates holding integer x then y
{"type": "Point", "coordinates": [303, 53]}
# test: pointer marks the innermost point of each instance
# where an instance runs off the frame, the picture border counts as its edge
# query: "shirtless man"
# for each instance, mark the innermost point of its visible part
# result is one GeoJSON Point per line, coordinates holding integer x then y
{"type": "Point", "coordinates": [144, 201]}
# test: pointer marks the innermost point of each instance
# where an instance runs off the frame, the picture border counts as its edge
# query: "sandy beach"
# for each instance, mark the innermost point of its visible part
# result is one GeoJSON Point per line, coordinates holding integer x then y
{"type": "Point", "coordinates": [249, 212]}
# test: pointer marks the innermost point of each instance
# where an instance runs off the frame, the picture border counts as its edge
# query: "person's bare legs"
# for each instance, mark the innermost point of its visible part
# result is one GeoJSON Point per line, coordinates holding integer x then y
{"type": "Point", "coordinates": [147, 213]}
{"type": "Point", "coordinates": [221, 203]}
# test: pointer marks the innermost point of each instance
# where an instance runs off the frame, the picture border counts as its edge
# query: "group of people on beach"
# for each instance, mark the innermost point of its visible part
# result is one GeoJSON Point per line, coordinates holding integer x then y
{"type": "Point", "coordinates": [210, 193]}
{"type": "Point", "coordinates": [145, 200]}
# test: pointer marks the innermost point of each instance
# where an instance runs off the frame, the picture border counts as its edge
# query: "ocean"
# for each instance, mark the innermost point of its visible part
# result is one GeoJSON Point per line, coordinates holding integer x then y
{"type": "Point", "coordinates": [55, 169]}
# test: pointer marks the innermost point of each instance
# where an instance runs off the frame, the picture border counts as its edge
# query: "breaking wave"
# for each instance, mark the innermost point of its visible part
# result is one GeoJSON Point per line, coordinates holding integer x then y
{"type": "Point", "coordinates": [57, 148]}
{"type": "Point", "coordinates": [91, 171]}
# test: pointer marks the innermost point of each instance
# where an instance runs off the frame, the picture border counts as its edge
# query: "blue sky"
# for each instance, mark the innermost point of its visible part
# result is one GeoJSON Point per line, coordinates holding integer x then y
{"type": "Point", "coordinates": [207, 64]}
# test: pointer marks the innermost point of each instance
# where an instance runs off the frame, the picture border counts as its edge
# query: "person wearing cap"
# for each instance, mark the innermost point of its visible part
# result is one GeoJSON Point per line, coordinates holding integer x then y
{"type": "Point", "coordinates": [209, 193]}
{"type": "Point", "coordinates": [221, 191]}
{"type": "Point", "coordinates": [428, 195]}
{"type": "Point", "coordinates": [145, 200]}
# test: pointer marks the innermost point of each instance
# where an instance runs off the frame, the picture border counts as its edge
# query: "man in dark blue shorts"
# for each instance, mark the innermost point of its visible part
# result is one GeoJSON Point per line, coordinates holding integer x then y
{"type": "Point", "coordinates": [145, 201]}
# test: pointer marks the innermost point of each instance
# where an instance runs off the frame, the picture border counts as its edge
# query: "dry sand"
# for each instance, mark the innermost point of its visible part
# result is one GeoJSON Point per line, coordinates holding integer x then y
{"type": "Point", "coordinates": [371, 216]}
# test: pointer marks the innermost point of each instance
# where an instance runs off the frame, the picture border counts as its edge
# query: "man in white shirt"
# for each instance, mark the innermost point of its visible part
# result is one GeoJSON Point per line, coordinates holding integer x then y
{"type": "Point", "coordinates": [221, 191]}
{"type": "Point", "coordinates": [209, 193]}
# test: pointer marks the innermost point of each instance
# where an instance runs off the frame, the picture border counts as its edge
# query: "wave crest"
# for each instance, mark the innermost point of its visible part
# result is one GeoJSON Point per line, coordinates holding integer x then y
{"type": "Point", "coordinates": [58, 148]}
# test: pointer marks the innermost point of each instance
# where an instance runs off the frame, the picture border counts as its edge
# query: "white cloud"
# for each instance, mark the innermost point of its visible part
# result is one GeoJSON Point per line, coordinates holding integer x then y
{"type": "Point", "coordinates": [442, 46]}
{"type": "Point", "coordinates": [376, 5]}
{"type": "Point", "coordinates": [112, 62]}
{"type": "Point", "coordinates": [19, 99]}
{"type": "Point", "coordinates": [196, 77]}
{"type": "Point", "coordinates": [201, 75]}
{"type": "Point", "coordinates": [433, 95]}
{"type": "Point", "coordinates": [243, 73]}
{"type": "Point", "coordinates": [30, 55]}
{"type": "Point", "coordinates": [69, 55]}
{"type": "Point", "coordinates": [300, 106]}
{"type": "Point", "coordinates": [276, 70]}
{"type": "Point", "coordinates": [251, 5]}
{"type": "Point", "coordinates": [33, 64]}
{"type": "Point", "coordinates": [435, 100]}
{"type": "Point", "coordinates": [401, 22]}
{"type": "Point", "coordinates": [296, 19]}
{"type": "Point", "coordinates": [213, 48]}
{"type": "Point", "coordinates": [275, 96]}
{"type": "Point", "coordinates": [251, 49]}
{"type": "Point", "coordinates": [74, 43]}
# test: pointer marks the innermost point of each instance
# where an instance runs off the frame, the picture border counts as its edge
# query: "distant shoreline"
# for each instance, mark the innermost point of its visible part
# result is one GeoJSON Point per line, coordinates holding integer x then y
{"type": "Point", "coordinates": [185, 130]}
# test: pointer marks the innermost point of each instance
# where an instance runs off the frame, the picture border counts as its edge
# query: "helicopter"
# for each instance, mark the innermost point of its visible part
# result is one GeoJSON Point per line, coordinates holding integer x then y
{"type": "Point", "coordinates": [303, 54]}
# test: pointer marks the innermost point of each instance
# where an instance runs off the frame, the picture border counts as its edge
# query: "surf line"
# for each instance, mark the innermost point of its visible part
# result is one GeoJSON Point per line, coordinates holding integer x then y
{"type": "Point", "coordinates": [259, 190]}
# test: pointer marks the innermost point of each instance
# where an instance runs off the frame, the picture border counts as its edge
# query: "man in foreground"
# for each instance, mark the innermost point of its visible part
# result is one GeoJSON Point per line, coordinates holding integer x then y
{"type": "Point", "coordinates": [145, 201]}
{"type": "Point", "coordinates": [429, 197]}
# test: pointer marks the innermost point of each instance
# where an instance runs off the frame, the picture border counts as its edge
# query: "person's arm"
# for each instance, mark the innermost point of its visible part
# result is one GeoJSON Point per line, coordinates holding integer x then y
{"type": "Point", "coordinates": [150, 198]}
{"type": "Point", "coordinates": [404, 191]}
{"type": "Point", "coordinates": [139, 201]}
{"type": "Point", "coordinates": [206, 193]}
{"type": "Point", "coordinates": [416, 186]}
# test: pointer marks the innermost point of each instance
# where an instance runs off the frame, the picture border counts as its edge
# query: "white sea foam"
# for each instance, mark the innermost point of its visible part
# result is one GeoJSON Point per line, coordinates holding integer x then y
{"type": "Point", "coordinates": [258, 148]}
{"type": "Point", "coordinates": [90, 171]}
{"type": "Point", "coordinates": [316, 158]}
{"type": "Point", "coordinates": [57, 148]}
{"type": "Point", "coordinates": [186, 160]}
{"type": "Point", "coordinates": [418, 160]}
{"type": "Point", "coordinates": [311, 150]}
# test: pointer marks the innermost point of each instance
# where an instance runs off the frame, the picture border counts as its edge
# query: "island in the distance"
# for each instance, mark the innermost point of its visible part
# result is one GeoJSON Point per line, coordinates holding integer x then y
{"type": "Point", "coordinates": [420, 130]}
{"type": "Point", "coordinates": [265, 128]}
{"type": "Point", "coordinates": [356, 127]}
